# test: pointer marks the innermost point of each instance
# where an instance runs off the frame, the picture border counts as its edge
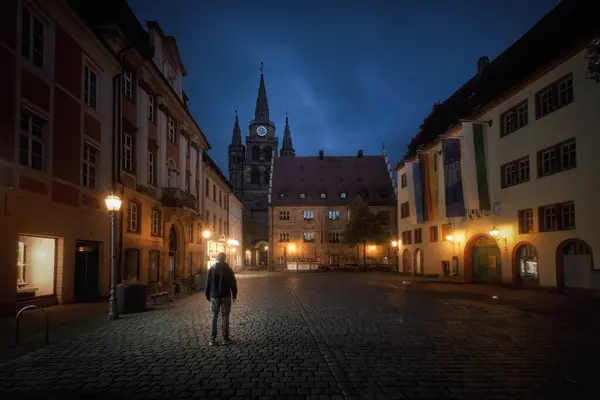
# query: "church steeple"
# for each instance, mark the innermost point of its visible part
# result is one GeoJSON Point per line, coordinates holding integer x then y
{"type": "Point", "coordinates": [287, 149]}
{"type": "Point", "coordinates": [261, 112]}
{"type": "Point", "coordinates": [236, 137]}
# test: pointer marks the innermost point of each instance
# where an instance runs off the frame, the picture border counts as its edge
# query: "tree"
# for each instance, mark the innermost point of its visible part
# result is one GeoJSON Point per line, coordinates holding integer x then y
{"type": "Point", "coordinates": [364, 226]}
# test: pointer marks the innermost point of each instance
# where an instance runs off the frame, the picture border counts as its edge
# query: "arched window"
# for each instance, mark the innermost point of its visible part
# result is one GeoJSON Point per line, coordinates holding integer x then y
{"type": "Point", "coordinates": [172, 174]}
{"type": "Point", "coordinates": [268, 153]}
{"type": "Point", "coordinates": [255, 175]}
{"type": "Point", "coordinates": [255, 153]}
{"type": "Point", "coordinates": [527, 260]}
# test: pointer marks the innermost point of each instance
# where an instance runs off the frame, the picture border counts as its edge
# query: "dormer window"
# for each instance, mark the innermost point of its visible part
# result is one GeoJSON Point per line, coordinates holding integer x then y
{"type": "Point", "coordinates": [343, 195]}
{"type": "Point", "coordinates": [323, 195]}
{"type": "Point", "coordinates": [302, 195]}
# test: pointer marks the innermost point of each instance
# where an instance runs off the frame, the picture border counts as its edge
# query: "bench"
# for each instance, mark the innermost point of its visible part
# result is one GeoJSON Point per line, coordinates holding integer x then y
{"type": "Point", "coordinates": [186, 284]}
{"type": "Point", "coordinates": [156, 290]}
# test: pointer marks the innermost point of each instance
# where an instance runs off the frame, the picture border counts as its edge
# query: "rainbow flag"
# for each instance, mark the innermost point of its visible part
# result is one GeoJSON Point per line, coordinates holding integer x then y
{"type": "Point", "coordinates": [418, 185]}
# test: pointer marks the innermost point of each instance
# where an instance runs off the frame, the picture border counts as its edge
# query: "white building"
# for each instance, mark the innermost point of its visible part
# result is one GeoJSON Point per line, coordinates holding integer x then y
{"type": "Point", "coordinates": [508, 165]}
{"type": "Point", "coordinates": [222, 215]}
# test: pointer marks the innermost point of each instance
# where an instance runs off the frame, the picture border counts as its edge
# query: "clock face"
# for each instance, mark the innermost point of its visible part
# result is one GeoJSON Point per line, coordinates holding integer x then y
{"type": "Point", "coordinates": [261, 131]}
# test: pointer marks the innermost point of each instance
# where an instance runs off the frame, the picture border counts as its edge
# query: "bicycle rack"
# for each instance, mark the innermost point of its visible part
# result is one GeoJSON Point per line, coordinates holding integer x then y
{"type": "Point", "coordinates": [31, 307]}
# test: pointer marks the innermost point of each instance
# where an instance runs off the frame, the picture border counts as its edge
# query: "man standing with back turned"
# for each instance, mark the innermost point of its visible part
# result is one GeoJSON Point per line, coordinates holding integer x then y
{"type": "Point", "coordinates": [221, 289]}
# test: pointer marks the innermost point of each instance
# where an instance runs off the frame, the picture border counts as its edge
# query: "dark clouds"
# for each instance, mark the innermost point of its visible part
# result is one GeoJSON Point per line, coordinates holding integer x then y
{"type": "Point", "coordinates": [353, 74]}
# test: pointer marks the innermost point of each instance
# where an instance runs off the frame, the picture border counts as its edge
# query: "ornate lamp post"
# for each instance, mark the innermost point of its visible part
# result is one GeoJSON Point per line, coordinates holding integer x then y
{"type": "Point", "coordinates": [113, 204]}
{"type": "Point", "coordinates": [395, 247]}
{"type": "Point", "coordinates": [268, 263]}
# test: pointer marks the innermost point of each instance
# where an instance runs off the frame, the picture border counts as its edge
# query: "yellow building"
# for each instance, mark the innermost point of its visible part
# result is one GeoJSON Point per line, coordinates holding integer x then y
{"type": "Point", "coordinates": [308, 207]}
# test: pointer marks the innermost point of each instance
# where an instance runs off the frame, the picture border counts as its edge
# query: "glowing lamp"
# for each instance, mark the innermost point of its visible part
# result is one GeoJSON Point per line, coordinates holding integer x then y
{"type": "Point", "coordinates": [449, 238]}
{"type": "Point", "coordinates": [266, 247]}
{"type": "Point", "coordinates": [206, 234]}
{"type": "Point", "coordinates": [113, 203]}
{"type": "Point", "coordinates": [494, 232]}
{"type": "Point", "coordinates": [394, 244]}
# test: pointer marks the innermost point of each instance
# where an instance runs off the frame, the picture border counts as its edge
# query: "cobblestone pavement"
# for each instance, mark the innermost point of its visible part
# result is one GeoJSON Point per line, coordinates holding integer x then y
{"type": "Point", "coordinates": [328, 336]}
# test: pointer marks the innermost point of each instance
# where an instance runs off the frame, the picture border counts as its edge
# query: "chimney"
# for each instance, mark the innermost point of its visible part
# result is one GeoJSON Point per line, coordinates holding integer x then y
{"type": "Point", "coordinates": [360, 154]}
{"type": "Point", "coordinates": [482, 63]}
{"type": "Point", "coordinates": [320, 154]}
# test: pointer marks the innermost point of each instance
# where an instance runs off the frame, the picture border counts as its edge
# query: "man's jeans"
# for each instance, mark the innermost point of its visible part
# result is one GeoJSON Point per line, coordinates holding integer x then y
{"type": "Point", "coordinates": [222, 305]}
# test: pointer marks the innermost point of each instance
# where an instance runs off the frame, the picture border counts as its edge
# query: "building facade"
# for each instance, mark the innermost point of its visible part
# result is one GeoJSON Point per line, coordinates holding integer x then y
{"type": "Point", "coordinates": [498, 184]}
{"type": "Point", "coordinates": [250, 168]}
{"type": "Point", "coordinates": [94, 105]}
{"type": "Point", "coordinates": [55, 128]}
{"type": "Point", "coordinates": [309, 208]}
{"type": "Point", "coordinates": [223, 213]}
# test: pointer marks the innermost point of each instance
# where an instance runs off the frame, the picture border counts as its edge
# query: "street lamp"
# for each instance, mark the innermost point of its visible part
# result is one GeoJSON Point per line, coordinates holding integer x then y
{"type": "Point", "coordinates": [268, 264]}
{"type": "Point", "coordinates": [206, 234]}
{"type": "Point", "coordinates": [113, 204]}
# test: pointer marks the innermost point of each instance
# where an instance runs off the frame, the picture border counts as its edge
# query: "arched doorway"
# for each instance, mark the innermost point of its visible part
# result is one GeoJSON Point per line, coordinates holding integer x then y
{"type": "Point", "coordinates": [406, 261]}
{"type": "Point", "coordinates": [419, 262]}
{"type": "Point", "coordinates": [261, 253]}
{"type": "Point", "coordinates": [483, 263]}
{"type": "Point", "coordinates": [525, 265]}
{"type": "Point", "coordinates": [574, 264]}
{"type": "Point", "coordinates": [173, 247]}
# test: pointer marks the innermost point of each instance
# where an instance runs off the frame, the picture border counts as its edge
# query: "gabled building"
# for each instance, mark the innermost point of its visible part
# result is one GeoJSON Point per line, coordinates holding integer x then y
{"type": "Point", "coordinates": [498, 185]}
{"type": "Point", "coordinates": [309, 201]}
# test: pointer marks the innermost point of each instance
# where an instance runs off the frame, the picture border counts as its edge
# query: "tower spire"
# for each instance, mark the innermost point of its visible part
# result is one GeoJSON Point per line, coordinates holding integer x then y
{"type": "Point", "coordinates": [236, 136]}
{"type": "Point", "coordinates": [261, 112]}
{"type": "Point", "coordinates": [287, 149]}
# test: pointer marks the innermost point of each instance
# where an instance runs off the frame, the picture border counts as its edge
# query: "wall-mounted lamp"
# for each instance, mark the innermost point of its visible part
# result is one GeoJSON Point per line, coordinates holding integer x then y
{"type": "Point", "coordinates": [494, 233]}
{"type": "Point", "coordinates": [450, 238]}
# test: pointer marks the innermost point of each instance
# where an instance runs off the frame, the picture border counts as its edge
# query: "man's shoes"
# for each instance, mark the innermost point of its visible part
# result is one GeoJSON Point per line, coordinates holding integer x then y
{"type": "Point", "coordinates": [227, 341]}
{"type": "Point", "coordinates": [212, 343]}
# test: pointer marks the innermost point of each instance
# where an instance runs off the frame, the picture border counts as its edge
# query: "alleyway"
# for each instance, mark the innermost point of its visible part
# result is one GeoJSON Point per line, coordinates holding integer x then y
{"type": "Point", "coordinates": [332, 336]}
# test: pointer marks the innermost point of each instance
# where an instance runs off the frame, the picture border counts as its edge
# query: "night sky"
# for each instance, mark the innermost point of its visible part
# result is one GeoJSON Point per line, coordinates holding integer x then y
{"type": "Point", "coordinates": [352, 74]}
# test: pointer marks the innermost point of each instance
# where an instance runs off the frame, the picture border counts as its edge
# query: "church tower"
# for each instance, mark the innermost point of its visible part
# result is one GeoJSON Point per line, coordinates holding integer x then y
{"type": "Point", "coordinates": [287, 148]}
{"type": "Point", "coordinates": [255, 166]}
{"type": "Point", "coordinates": [236, 158]}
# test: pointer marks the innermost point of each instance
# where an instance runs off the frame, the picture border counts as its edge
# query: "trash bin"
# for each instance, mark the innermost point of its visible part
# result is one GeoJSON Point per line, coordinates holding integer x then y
{"type": "Point", "coordinates": [131, 298]}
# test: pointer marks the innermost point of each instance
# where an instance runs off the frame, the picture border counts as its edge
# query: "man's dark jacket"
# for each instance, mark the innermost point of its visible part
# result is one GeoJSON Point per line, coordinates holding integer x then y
{"type": "Point", "coordinates": [220, 282]}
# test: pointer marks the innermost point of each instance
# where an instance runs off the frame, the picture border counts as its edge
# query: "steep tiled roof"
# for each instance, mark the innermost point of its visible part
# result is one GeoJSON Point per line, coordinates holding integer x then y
{"type": "Point", "coordinates": [366, 175]}
{"type": "Point", "coordinates": [567, 28]}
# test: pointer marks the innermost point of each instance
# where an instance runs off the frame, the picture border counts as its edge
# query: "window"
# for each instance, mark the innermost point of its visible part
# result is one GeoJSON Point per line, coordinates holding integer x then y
{"type": "Point", "coordinates": [404, 210]}
{"type": "Point", "coordinates": [407, 237]}
{"type": "Point", "coordinates": [565, 91]}
{"type": "Point", "coordinates": [128, 85]}
{"type": "Point", "coordinates": [549, 222]}
{"type": "Point", "coordinates": [385, 217]}
{"type": "Point", "coordinates": [90, 87]}
{"type": "Point", "coordinates": [187, 182]}
{"type": "Point", "coordinates": [221, 198]}
{"type": "Point", "coordinates": [309, 237]}
{"type": "Point", "coordinates": [308, 214]}
{"type": "Point", "coordinates": [515, 172]}
{"type": "Point", "coordinates": [557, 158]}
{"type": "Point", "coordinates": [323, 195]}
{"type": "Point", "coordinates": [284, 237]}
{"type": "Point", "coordinates": [35, 266]}
{"type": "Point", "coordinates": [567, 216]}
{"type": "Point", "coordinates": [280, 260]}
{"type": "Point", "coordinates": [214, 224]}
{"type": "Point", "coordinates": [220, 226]}
{"type": "Point", "coordinates": [172, 175]}
{"type": "Point", "coordinates": [556, 95]}
{"type": "Point", "coordinates": [214, 193]}
{"type": "Point", "coordinates": [207, 217]}
{"type": "Point", "coordinates": [89, 166]}
{"type": "Point", "coordinates": [446, 230]}
{"type": "Point", "coordinates": [32, 38]}
{"type": "Point", "coordinates": [343, 195]}
{"type": "Point", "coordinates": [155, 230]}
{"type": "Point", "coordinates": [188, 148]}
{"type": "Point", "coordinates": [127, 152]}
{"type": "Point", "coordinates": [526, 221]}
{"type": "Point", "coordinates": [190, 233]}
{"type": "Point", "coordinates": [334, 215]}
{"type": "Point", "coordinates": [132, 265]}
{"type": "Point", "coordinates": [151, 107]}
{"type": "Point", "coordinates": [171, 129]}
{"type": "Point", "coordinates": [515, 118]}
{"type": "Point", "coordinates": [333, 237]}
{"type": "Point", "coordinates": [302, 195]}
{"type": "Point", "coordinates": [153, 269]}
{"type": "Point", "coordinates": [31, 140]}
{"type": "Point", "coordinates": [132, 217]}
{"type": "Point", "coordinates": [403, 181]}
{"type": "Point", "coordinates": [418, 235]}
{"type": "Point", "coordinates": [433, 234]}
{"type": "Point", "coordinates": [206, 187]}
{"type": "Point", "coordinates": [284, 215]}
{"type": "Point", "coordinates": [151, 176]}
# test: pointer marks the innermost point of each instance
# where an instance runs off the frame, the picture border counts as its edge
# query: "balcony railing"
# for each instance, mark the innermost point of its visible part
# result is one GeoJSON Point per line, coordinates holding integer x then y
{"type": "Point", "coordinates": [175, 197]}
